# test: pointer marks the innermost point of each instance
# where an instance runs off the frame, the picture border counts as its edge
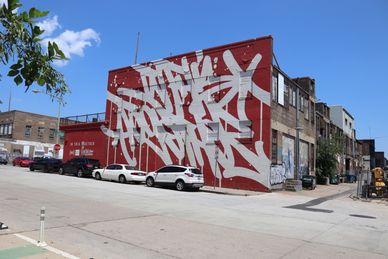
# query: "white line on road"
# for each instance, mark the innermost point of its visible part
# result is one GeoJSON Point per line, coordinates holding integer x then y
{"type": "Point", "coordinates": [47, 247]}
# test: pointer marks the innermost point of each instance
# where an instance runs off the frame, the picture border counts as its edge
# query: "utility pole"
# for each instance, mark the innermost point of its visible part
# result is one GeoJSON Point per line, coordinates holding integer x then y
{"type": "Point", "coordinates": [297, 129]}
{"type": "Point", "coordinates": [137, 47]}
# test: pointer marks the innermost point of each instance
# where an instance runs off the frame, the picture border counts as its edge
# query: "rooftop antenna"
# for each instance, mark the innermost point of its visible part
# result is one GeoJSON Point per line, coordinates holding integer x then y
{"type": "Point", "coordinates": [137, 46]}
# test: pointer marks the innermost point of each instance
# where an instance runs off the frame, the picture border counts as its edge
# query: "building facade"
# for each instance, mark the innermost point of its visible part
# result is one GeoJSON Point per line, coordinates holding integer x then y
{"type": "Point", "coordinates": [342, 119]}
{"type": "Point", "coordinates": [292, 121]}
{"type": "Point", "coordinates": [368, 154]}
{"type": "Point", "coordinates": [28, 134]}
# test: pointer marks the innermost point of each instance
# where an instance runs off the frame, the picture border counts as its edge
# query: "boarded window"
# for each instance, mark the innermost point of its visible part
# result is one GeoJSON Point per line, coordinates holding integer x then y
{"type": "Point", "coordinates": [212, 132]}
{"type": "Point", "coordinates": [245, 129]}
{"type": "Point", "coordinates": [245, 84]}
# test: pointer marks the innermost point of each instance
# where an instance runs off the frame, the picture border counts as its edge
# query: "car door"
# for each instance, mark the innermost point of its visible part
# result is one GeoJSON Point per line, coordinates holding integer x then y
{"type": "Point", "coordinates": [108, 172]}
{"type": "Point", "coordinates": [176, 172]}
{"type": "Point", "coordinates": [68, 167]}
{"type": "Point", "coordinates": [163, 174]}
{"type": "Point", "coordinates": [116, 172]}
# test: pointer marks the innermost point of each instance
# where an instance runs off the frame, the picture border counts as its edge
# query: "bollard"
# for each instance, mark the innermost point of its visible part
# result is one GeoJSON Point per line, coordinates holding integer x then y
{"type": "Point", "coordinates": [41, 233]}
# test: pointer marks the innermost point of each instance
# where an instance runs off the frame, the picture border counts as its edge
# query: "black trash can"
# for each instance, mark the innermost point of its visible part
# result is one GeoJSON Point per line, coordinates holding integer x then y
{"type": "Point", "coordinates": [309, 181]}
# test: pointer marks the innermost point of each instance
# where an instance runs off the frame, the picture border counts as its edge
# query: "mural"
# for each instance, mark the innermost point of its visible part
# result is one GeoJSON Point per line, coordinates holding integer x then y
{"type": "Point", "coordinates": [288, 156]}
{"type": "Point", "coordinates": [209, 109]}
{"type": "Point", "coordinates": [278, 174]}
{"type": "Point", "coordinates": [303, 159]}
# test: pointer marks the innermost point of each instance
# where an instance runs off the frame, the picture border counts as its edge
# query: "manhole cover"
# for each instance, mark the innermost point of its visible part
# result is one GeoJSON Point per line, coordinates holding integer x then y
{"type": "Point", "coordinates": [362, 216]}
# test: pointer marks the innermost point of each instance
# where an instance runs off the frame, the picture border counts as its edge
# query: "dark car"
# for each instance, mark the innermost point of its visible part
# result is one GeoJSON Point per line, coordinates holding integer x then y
{"type": "Point", "coordinates": [80, 166]}
{"type": "Point", "coordinates": [309, 181]}
{"type": "Point", "coordinates": [3, 161]}
{"type": "Point", "coordinates": [46, 165]}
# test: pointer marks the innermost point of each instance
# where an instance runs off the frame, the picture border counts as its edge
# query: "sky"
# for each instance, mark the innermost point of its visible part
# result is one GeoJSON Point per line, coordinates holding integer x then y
{"type": "Point", "coordinates": [343, 45]}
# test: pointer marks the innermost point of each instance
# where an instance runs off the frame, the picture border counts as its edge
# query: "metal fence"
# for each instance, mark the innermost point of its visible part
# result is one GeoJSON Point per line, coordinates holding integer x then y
{"type": "Point", "coordinates": [86, 118]}
{"type": "Point", "coordinates": [366, 189]}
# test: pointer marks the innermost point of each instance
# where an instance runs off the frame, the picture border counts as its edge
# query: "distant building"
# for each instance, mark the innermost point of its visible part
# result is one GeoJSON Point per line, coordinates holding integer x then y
{"type": "Point", "coordinates": [380, 159]}
{"type": "Point", "coordinates": [342, 119]}
{"type": "Point", "coordinates": [322, 121]}
{"type": "Point", "coordinates": [28, 134]}
{"type": "Point", "coordinates": [368, 154]}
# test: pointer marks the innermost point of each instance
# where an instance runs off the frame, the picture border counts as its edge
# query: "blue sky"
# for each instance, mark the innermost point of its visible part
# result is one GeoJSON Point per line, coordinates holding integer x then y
{"type": "Point", "coordinates": [342, 44]}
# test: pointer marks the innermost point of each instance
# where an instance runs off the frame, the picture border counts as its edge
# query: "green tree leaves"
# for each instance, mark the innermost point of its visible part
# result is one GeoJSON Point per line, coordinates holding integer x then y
{"type": "Point", "coordinates": [19, 39]}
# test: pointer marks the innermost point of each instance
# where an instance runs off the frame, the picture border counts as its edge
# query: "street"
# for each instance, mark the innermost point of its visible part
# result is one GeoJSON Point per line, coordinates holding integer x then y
{"type": "Point", "coordinates": [86, 218]}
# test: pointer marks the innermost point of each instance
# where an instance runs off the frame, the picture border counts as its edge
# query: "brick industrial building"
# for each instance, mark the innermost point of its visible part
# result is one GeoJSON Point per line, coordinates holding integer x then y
{"type": "Point", "coordinates": [28, 134]}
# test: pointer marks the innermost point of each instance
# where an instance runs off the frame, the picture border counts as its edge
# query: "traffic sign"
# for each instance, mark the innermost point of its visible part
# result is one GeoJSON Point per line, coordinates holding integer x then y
{"type": "Point", "coordinates": [57, 147]}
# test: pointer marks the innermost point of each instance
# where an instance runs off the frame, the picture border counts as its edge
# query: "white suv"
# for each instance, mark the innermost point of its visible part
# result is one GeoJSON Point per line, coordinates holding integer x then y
{"type": "Point", "coordinates": [176, 175]}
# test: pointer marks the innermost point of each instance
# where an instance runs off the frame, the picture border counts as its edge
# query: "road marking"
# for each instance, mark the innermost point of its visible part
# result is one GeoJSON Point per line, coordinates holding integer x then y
{"type": "Point", "coordinates": [47, 247]}
{"type": "Point", "coordinates": [21, 251]}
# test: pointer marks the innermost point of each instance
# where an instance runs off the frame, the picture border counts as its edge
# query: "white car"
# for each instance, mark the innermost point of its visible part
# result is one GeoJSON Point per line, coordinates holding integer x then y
{"type": "Point", "coordinates": [176, 175]}
{"type": "Point", "coordinates": [119, 172]}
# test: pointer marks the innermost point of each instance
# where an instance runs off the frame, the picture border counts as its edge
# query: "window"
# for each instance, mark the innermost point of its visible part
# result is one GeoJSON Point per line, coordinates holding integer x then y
{"type": "Point", "coordinates": [40, 132]}
{"type": "Point", "coordinates": [27, 131]}
{"type": "Point", "coordinates": [274, 147]}
{"type": "Point", "coordinates": [51, 133]}
{"type": "Point", "coordinates": [350, 125]}
{"type": "Point", "coordinates": [274, 87]}
{"type": "Point", "coordinates": [111, 167]}
{"type": "Point", "coordinates": [245, 129]}
{"type": "Point", "coordinates": [346, 121]}
{"type": "Point", "coordinates": [301, 103]}
{"type": "Point", "coordinates": [280, 89]}
{"type": "Point", "coordinates": [245, 84]}
{"type": "Point", "coordinates": [212, 132]}
{"type": "Point", "coordinates": [293, 97]}
{"type": "Point", "coordinates": [306, 109]}
{"type": "Point", "coordinates": [2, 129]}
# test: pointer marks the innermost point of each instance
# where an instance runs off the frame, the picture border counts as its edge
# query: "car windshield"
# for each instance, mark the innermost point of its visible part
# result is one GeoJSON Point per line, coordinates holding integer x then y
{"type": "Point", "coordinates": [24, 158]}
{"type": "Point", "coordinates": [195, 171]}
{"type": "Point", "coordinates": [128, 167]}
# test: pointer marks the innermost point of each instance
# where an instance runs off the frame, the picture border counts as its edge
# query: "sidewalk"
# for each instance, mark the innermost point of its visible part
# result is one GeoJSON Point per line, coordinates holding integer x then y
{"type": "Point", "coordinates": [320, 190]}
{"type": "Point", "coordinates": [14, 246]}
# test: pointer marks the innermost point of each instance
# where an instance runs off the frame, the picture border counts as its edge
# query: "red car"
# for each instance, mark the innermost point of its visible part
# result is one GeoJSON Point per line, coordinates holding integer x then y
{"type": "Point", "coordinates": [22, 161]}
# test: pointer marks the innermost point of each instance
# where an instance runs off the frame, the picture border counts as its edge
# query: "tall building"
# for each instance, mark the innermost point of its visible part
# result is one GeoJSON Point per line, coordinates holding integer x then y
{"type": "Point", "coordinates": [28, 134]}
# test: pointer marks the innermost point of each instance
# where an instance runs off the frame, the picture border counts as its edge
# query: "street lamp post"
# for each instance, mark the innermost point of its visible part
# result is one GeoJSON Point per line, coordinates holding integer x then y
{"type": "Point", "coordinates": [60, 102]}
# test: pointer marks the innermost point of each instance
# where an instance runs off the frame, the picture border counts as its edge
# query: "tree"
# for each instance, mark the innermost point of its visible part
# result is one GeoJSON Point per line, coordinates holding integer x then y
{"type": "Point", "coordinates": [328, 150]}
{"type": "Point", "coordinates": [21, 49]}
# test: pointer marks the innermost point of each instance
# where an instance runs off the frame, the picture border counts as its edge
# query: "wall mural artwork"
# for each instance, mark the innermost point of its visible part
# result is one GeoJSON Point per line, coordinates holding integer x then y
{"type": "Point", "coordinates": [288, 156]}
{"type": "Point", "coordinates": [193, 110]}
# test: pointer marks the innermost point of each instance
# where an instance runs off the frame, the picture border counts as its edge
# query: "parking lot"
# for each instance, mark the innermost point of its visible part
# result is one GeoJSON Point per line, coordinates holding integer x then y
{"type": "Point", "coordinates": [86, 218]}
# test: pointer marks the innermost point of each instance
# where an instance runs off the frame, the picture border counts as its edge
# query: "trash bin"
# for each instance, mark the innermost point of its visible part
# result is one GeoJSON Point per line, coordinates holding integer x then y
{"type": "Point", "coordinates": [309, 181]}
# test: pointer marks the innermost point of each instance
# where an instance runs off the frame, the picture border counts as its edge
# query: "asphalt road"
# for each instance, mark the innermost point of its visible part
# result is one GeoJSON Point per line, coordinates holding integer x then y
{"type": "Point", "coordinates": [98, 219]}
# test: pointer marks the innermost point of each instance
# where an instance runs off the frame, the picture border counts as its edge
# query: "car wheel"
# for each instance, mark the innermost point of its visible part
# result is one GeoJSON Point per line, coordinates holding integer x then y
{"type": "Point", "coordinates": [150, 182]}
{"type": "Point", "coordinates": [97, 176]}
{"type": "Point", "coordinates": [60, 171]}
{"type": "Point", "coordinates": [80, 173]}
{"type": "Point", "coordinates": [32, 168]}
{"type": "Point", "coordinates": [45, 169]}
{"type": "Point", "coordinates": [180, 185]}
{"type": "Point", "coordinates": [122, 179]}
{"type": "Point", "coordinates": [196, 189]}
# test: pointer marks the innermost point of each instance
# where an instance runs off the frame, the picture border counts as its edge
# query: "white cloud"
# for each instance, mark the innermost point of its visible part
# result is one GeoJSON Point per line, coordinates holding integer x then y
{"type": "Point", "coordinates": [74, 43]}
{"type": "Point", "coordinates": [49, 26]}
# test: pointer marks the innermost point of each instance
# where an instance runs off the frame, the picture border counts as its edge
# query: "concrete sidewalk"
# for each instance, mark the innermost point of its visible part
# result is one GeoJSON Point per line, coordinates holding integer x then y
{"type": "Point", "coordinates": [320, 190]}
{"type": "Point", "coordinates": [14, 246]}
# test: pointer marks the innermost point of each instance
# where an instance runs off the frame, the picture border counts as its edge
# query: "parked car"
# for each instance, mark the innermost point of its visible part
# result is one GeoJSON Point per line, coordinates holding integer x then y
{"type": "Point", "coordinates": [3, 161]}
{"type": "Point", "coordinates": [46, 165]}
{"type": "Point", "coordinates": [309, 181]}
{"type": "Point", "coordinates": [119, 172]}
{"type": "Point", "coordinates": [22, 161]}
{"type": "Point", "coordinates": [176, 175]}
{"type": "Point", "coordinates": [80, 166]}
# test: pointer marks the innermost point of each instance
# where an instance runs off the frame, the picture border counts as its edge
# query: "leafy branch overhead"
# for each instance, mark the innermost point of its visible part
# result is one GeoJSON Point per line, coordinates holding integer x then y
{"type": "Point", "coordinates": [20, 42]}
